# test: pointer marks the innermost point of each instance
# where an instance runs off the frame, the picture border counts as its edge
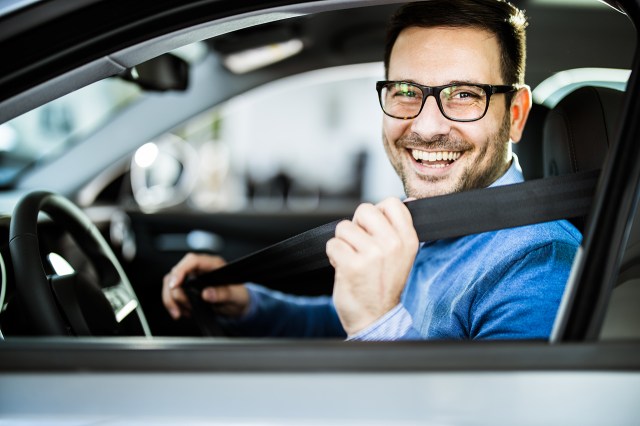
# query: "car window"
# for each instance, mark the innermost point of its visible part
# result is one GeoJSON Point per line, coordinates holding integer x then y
{"type": "Point", "coordinates": [49, 130]}
{"type": "Point", "coordinates": [306, 142]}
{"type": "Point", "coordinates": [303, 143]}
{"type": "Point", "coordinates": [236, 172]}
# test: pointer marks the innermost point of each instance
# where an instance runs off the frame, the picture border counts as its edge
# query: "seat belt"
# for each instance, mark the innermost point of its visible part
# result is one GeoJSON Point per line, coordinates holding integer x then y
{"type": "Point", "coordinates": [301, 260]}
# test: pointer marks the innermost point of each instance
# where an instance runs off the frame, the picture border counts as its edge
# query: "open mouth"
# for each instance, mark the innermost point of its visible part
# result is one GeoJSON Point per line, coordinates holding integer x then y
{"type": "Point", "coordinates": [436, 159]}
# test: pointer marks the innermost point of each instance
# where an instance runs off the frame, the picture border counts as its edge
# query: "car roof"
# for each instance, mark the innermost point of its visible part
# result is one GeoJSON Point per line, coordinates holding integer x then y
{"type": "Point", "coordinates": [51, 54]}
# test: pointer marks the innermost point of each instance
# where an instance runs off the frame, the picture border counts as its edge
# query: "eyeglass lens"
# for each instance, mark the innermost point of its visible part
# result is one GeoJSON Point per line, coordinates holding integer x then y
{"type": "Point", "coordinates": [458, 102]}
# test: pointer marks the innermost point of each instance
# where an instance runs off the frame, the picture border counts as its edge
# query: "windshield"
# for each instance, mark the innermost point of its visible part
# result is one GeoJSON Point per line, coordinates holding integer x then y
{"type": "Point", "coordinates": [49, 130]}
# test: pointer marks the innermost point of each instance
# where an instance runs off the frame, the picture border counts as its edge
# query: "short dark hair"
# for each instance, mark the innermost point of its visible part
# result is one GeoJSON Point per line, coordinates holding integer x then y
{"type": "Point", "coordinates": [499, 17]}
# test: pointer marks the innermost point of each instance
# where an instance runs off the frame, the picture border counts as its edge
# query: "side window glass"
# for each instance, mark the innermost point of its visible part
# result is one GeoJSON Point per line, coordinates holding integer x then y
{"type": "Point", "coordinates": [306, 142]}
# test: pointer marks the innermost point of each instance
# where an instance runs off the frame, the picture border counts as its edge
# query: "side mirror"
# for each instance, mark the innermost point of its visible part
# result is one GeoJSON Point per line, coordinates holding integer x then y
{"type": "Point", "coordinates": [162, 73]}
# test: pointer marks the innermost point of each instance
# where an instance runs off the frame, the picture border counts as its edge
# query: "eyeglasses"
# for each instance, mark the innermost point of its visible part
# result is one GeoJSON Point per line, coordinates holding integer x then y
{"type": "Point", "coordinates": [456, 101]}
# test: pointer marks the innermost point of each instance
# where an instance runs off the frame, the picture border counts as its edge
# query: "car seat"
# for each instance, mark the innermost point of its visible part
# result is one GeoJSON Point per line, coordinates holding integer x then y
{"type": "Point", "coordinates": [529, 149]}
{"type": "Point", "coordinates": [576, 137]}
{"type": "Point", "coordinates": [578, 132]}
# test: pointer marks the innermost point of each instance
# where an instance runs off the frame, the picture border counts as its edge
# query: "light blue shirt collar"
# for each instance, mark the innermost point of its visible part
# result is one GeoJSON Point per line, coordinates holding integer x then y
{"type": "Point", "coordinates": [512, 175]}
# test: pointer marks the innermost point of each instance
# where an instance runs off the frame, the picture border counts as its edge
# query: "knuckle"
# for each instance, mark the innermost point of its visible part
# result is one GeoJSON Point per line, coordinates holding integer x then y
{"type": "Point", "coordinates": [217, 261]}
{"type": "Point", "coordinates": [363, 208]}
{"type": "Point", "coordinates": [330, 244]}
{"type": "Point", "coordinates": [342, 227]}
{"type": "Point", "coordinates": [388, 201]}
{"type": "Point", "coordinates": [190, 257]}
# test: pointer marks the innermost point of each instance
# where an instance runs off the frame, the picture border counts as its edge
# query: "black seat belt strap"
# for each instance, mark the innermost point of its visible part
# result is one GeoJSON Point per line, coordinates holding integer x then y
{"type": "Point", "coordinates": [302, 258]}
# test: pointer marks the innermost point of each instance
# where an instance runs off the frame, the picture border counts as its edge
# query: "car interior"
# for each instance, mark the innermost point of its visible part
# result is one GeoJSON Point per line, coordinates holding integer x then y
{"type": "Point", "coordinates": [181, 99]}
{"type": "Point", "coordinates": [576, 137]}
{"type": "Point", "coordinates": [132, 133]}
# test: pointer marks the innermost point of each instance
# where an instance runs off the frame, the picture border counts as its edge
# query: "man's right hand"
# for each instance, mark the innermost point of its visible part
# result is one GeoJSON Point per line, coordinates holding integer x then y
{"type": "Point", "coordinates": [230, 300]}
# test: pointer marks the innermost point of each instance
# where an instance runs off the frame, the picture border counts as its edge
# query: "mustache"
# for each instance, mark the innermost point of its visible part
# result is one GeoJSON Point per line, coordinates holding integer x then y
{"type": "Point", "coordinates": [440, 142]}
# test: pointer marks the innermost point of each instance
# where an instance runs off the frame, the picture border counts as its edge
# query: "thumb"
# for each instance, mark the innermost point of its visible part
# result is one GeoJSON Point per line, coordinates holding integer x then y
{"type": "Point", "coordinates": [231, 300]}
{"type": "Point", "coordinates": [223, 294]}
{"type": "Point", "coordinates": [212, 295]}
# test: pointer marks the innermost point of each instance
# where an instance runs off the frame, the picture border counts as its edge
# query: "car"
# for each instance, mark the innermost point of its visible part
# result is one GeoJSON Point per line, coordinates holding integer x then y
{"type": "Point", "coordinates": [146, 130]}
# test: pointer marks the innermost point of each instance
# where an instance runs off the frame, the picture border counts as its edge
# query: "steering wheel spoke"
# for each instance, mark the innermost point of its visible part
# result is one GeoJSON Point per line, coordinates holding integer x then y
{"type": "Point", "coordinates": [69, 301]}
{"type": "Point", "coordinates": [122, 301]}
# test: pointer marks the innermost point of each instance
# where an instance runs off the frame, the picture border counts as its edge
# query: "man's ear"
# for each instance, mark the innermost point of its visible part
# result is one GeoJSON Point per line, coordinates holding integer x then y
{"type": "Point", "coordinates": [520, 107]}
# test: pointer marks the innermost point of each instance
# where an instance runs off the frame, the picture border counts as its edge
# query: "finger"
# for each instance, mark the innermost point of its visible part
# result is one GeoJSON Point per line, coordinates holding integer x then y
{"type": "Point", "coordinates": [193, 264]}
{"type": "Point", "coordinates": [169, 304]}
{"type": "Point", "coordinates": [231, 300]}
{"type": "Point", "coordinates": [399, 216]}
{"type": "Point", "coordinates": [372, 220]}
{"type": "Point", "coordinates": [353, 235]}
{"type": "Point", "coordinates": [175, 301]}
{"type": "Point", "coordinates": [338, 251]}
{"type": "Point", "coordinates": [215, 294]}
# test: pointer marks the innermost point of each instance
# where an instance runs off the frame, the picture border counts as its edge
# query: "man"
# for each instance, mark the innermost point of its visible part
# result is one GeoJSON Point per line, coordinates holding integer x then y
{"type": "Point", "coordinates": [454, 101]}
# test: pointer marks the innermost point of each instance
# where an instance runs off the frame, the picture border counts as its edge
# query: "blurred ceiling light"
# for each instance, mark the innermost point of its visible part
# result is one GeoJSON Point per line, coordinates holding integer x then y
{"type": "Point", "coordinates": [146, 155]}
{"type": "Point", "coordinates": [253, 59]}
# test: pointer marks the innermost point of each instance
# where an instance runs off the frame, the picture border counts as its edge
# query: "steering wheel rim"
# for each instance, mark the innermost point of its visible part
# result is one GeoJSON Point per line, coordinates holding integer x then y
{"type": "Point", "coordinates": [42, 301]}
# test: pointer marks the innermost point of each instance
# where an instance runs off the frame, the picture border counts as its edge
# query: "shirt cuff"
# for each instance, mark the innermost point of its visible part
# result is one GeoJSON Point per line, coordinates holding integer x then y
{"type": "Point", "coordinates": [391, 326]}
{"type": "Point", "coordinates": [254, 301]}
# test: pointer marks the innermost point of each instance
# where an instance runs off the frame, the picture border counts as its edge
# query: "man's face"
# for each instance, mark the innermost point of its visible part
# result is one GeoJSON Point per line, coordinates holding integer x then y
{"type": "Point", "coordinates": [477, 153]}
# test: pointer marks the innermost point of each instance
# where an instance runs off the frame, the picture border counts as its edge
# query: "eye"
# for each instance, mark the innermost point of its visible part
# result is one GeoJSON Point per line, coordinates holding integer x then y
{"type": "Point", "coordinates": [464, 93]}
{"type": "Point", "coordinates": [404, 91]}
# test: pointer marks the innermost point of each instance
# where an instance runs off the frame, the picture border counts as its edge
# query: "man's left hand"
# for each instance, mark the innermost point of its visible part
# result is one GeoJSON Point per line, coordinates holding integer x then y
{"type": "Point", "coordinates": [372, 254]}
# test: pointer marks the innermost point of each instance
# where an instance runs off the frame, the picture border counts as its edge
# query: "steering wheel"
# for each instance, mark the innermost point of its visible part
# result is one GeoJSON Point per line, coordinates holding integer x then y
{"type": "Point", "coordinates": [71, 303]}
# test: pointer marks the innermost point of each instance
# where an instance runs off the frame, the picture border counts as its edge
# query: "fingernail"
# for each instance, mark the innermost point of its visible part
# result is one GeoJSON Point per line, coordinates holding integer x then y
{"type": "Point", "coordinates": [175, 313]}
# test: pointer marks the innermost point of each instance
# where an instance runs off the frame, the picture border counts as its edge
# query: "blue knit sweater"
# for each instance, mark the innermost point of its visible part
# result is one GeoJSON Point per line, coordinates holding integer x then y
{"type": "Point", "coordinates": [505, 284]}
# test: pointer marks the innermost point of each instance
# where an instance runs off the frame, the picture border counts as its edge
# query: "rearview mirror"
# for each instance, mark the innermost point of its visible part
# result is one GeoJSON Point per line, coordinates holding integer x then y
{"type": "Point", "coordinates": [162, 73]}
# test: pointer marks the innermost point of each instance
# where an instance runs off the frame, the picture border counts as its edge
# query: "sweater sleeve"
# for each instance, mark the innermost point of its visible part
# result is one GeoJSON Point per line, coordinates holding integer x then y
{"type": "Point", "coordinates": [519, 299]}
{"type": "Point", "coordinates": [275, 314]}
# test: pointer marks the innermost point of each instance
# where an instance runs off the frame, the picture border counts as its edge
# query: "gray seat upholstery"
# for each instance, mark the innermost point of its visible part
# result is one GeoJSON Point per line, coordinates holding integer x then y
{"type": "Point", "coordinates": [529, 149]}
{"type": "Point", "coordinates": [579, 130]}
{"type": "Point", "coordinates": [577, 136]}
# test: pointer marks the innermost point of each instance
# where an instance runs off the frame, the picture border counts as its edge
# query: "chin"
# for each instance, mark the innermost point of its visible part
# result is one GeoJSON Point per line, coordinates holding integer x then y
{"type": "Point", "coordinates": [427, 190]}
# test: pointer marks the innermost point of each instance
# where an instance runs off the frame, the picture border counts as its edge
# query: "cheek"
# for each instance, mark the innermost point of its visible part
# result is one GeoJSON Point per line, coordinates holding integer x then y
{"type": "Point", "coordinates": [483, 137]}
{"type": "Point", "coordinates": [393, 128]}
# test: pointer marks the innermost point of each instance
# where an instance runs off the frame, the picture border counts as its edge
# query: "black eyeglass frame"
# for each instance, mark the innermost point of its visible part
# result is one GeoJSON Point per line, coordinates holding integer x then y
{"type": "Point", "coordinates": [489, 89]}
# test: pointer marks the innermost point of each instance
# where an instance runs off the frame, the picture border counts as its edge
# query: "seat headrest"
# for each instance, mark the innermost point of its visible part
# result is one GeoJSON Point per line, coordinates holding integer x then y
{"type": "Point", "coordinates": [579, 130]}
{"type": "Point", "coordinates": [529, 148]}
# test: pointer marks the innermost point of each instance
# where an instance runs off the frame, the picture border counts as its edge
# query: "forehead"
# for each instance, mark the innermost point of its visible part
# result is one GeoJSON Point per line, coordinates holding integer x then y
{"type": "Point", "coordinates": [442, 55]}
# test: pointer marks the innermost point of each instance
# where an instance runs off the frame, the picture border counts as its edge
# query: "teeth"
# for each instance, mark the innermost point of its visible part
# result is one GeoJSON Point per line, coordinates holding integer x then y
{"type": "Point", "coordinates": [435, 156]}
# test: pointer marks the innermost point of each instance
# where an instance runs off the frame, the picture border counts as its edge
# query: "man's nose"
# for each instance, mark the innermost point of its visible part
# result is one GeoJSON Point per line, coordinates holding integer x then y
{"type": "Point", "coordinates": [430, 122]}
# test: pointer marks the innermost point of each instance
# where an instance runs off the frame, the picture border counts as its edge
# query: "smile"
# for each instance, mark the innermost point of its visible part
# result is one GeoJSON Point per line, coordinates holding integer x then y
{"type": "Point", "coordinates": [437, 159]}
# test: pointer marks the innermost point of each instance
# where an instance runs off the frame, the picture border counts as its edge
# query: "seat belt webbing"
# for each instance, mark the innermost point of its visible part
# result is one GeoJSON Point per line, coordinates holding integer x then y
{"type": "Point", "coordinates": [302, 258]}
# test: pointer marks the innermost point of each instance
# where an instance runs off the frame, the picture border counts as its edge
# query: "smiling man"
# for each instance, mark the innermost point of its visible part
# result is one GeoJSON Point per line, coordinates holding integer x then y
{"type": "Point", "coordinates": [454, 102]}
{"type": "Point", "coordinates": [438, 144]}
